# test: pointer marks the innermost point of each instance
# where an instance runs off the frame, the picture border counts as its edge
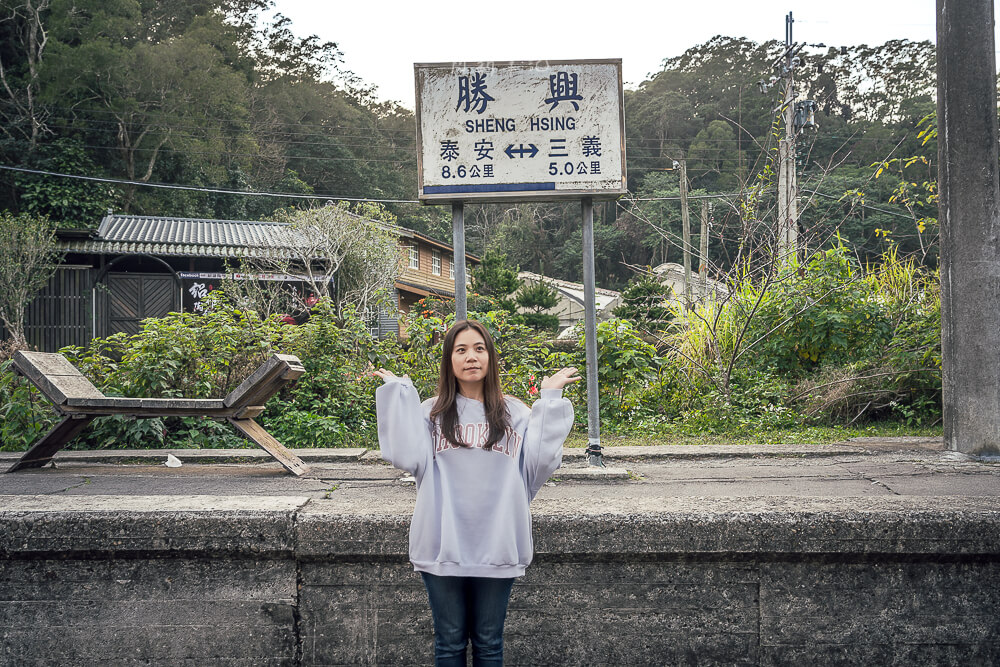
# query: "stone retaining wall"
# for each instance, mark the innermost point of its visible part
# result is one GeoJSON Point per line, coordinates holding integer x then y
{"type": "Point", "coordinates": [290, 581]}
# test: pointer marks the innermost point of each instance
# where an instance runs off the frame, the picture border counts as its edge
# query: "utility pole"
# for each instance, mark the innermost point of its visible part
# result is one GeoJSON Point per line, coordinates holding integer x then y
{"type": "Point", "coordinates": [686, 234]}
{"type": "Point", "coordinates": [795, 116]}
{"type": "Point", "coordinates": [788, 233]}
{"type": "Point", "coordinates": [703, 251]}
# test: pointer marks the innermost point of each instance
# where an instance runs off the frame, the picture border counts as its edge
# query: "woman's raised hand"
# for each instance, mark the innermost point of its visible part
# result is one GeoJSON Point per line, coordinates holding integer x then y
{"type": "Point", "coordinates": [561, 378]}
{"type": "Point", "coordinates": [382, 373]}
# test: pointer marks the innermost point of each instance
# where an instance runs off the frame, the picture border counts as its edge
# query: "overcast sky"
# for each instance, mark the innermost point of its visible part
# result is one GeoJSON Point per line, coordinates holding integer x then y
{"type": "Point", "coordinates": [382, 39]}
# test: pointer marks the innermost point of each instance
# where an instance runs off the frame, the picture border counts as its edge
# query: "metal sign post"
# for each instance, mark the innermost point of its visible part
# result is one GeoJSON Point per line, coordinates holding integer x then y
{"type": "Point", "coordinates": [458, 245]}
{"type": "Point", "coordinates": [524, 131]}
{"type": "Point", "coordinates": [594, 455]}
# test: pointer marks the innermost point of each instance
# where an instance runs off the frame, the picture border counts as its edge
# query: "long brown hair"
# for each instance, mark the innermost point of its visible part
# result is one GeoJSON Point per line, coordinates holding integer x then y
{"type": "Point", "coordinates": [494, 404]}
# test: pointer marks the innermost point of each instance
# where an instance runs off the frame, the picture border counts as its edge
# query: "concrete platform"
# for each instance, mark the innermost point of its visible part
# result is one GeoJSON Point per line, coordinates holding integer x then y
{"type": "Point", "coordinates": [860, 553]}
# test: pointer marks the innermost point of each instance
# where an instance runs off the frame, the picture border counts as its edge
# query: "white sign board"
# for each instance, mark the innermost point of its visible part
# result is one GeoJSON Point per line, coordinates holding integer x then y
{"type": "Point", "coordinates": [520, 130]}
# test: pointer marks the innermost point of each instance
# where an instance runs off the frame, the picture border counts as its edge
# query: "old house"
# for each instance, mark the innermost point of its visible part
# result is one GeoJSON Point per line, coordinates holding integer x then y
{"type": "Point", "coordinates": [428, 269]}
{"type": "Point", "coordinates": [570, 308]}
{"type": "Point", "coordinates": [133, 267]}
{"type": "Point", "coordinates": [671, 276]}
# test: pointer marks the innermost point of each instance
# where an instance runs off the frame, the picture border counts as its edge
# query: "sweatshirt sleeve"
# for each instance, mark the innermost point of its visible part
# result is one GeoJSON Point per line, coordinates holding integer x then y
{"type": "Point", "coordinates": [548, 425]}
{"type": "Point", "coordinates": [403, 428]}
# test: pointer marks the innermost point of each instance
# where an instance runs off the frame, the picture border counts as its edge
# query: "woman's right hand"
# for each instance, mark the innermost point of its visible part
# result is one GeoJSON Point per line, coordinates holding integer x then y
{"type": "Point", "coordinates": [386, 375]}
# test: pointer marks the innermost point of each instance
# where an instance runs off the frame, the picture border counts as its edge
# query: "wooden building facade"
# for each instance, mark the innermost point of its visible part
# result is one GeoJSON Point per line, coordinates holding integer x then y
{"type": "Point", "coordinates": [428, 269]}
{"type": "Point", "coordinates": [135, 267]}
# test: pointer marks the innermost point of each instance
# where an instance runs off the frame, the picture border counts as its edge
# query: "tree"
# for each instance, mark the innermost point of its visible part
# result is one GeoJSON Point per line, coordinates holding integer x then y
{"type": "Point", "coordinates": [66, 201]}
{"type": "Point", "coordinates": [340, 255]}
{"type": "Point", "coordinates": [495, 278]}
{"type": "Point", "coordinates": [713, 159]}
{"type": "Point", "coordinates": [204, 93]}
{"type": "Point", "coordinates": [28, 258]}
{"type": "Point", "coordinates": [27, 33]}
{"type": "Point", "coordinates": [644, 303]}
{"type": "Point", "coordinates": [537, 298]}
{"type": "Point", "coordinates": [160, 98]}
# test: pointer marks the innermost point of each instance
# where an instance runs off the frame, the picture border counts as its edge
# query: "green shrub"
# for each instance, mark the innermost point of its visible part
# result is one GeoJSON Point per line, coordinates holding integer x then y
{"type": "Point", "coordinates": [301, 428]}
{"type": "Point", "coordinates": [626, 365]}
{"type": "Point", "coordinates": [25, 415]}
{"type": "Point", "coordinates": [824, 314]}
{"type": "Point", "coordinates": [336, 395]}
{"type": "Point", "coordinates": [829, 342]}
{"type": "Point", "coordinates": [903, 381]}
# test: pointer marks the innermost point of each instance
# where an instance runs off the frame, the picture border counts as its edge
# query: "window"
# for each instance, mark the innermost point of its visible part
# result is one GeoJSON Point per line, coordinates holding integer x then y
{"type": "Point", "coordinates": [371, 319]}
{"type": "Point", "coordinates": [451, 269]}
{"type": "Point", "coordinates": [436, 262]}
{"type": "Point", "coordinates": [414, 256]}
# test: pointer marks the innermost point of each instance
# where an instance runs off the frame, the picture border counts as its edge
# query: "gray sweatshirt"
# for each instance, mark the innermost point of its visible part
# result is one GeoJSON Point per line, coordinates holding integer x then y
{"type": "Point", "coordinates": [471, 518]}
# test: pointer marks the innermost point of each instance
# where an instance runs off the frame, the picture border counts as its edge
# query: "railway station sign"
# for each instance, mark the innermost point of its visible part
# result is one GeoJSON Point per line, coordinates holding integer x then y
{"type": "Point", "coordinates": [520, 131]}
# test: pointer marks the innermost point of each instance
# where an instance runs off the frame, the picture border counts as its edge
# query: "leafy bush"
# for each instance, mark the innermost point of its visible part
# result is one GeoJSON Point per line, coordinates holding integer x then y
{"type": "Point", "coordinates": [335, 399]}
{"type": "Point", "coordinates": [824, 314]}
{"type": "Point", "coordinates": [24, 413]}
{"type": "Point", "coordinates": [626, 365]}
{"type": "Point", "coordinates": [903, 380]}
{"type": "Point", "coordinates": [825, 342]}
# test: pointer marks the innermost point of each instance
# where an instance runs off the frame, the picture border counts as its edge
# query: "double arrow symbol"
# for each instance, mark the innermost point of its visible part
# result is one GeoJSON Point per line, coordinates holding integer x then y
{"type": "Point", "coordinates": [532, 150]}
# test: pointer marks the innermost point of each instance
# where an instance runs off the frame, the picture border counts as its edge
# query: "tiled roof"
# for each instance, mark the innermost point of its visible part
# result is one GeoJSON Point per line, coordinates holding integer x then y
{"type": "Point", "coordinates": [187, 231]}
{"type": "Point", "coordinates": [189, 237]}
{"type": "Point", "coordinates": [121, 234]}
{"type": "Point", "coordinates": [565, 284]}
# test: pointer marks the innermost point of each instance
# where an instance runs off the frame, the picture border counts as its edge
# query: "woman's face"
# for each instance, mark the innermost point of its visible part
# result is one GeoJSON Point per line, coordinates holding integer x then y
{"type": "Point", "coordinates": [469, 359]}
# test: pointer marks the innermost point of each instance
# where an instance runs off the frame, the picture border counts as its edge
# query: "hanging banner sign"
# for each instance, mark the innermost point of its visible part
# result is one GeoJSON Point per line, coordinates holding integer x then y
{"type": "Point", "coordinates": [197, 285]}
{"type": "Point", "coordinates": [522, 131]}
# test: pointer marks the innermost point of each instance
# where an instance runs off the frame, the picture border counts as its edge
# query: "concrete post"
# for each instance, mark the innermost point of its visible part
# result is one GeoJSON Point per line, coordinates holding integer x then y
{"type": "Point", "coordinates": [686, 235]}
{"type": "Point", "coordinates": [788, 215]}
{"type": "Point", "coordinates": [703, 253]}
{"type": "Point", "coordinates": [970, 225]}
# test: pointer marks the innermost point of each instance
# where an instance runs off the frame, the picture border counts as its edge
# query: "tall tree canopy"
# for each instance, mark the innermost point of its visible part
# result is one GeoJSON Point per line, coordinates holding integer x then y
{"type": "Point", "coordinates": [195, 93]}
{"type": "Point", "coordinates": [204, 93]}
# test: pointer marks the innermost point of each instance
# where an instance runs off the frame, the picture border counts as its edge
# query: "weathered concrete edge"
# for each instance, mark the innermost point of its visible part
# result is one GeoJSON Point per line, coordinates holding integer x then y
{"type": "Point", "coordinates": [668, 452]}
{"type": "Point", "coordinates": [120, 525]}
{"type": "Point", "coordinates": [158, 456]}
{"type": "Point", "coordinates": [698, 526]}
{"type": "Point", "coordinates": [367, 454]}
{"type": "Point", "coordinates": [296, 527]}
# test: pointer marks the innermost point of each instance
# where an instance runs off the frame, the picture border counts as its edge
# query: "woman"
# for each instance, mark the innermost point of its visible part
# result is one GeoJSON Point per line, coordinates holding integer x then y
{"type": "Point", "coordinates": [479, 458]}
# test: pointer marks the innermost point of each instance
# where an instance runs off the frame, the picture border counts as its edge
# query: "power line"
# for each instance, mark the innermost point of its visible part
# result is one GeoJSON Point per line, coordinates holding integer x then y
{"type": "Point", "coordinates": [292, 195]}
{"type": "Point", "coordinates": [219, 119]}
{"type": "Point", "coordinates": [92, 124]}
{"type": "Point", "coordinates": [862, 205]}
{"type": "Point", "coordinates": [734, 195]}
{"type": "Point", "coordinates": [721, 195]}
{"type": "Point", "coordinates": [248, 193]}
{"type": "Point", "coordinates": [238, 154]}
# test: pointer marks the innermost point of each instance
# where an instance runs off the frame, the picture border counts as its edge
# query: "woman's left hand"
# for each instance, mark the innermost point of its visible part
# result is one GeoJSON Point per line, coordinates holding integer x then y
{"type": "Point", "coordinates": [561, 378]}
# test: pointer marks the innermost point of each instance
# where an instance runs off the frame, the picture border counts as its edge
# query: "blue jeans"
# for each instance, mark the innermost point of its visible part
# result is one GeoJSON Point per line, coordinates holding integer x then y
{"type": "Point", "coordinates": [467, 608]}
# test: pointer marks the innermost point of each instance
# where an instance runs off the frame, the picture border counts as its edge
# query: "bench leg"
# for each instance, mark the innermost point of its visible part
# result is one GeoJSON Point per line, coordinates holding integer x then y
{"type": "Point", "coordinates": [50, 443]}
{"type": "Point", "coordinates": [266, 441]}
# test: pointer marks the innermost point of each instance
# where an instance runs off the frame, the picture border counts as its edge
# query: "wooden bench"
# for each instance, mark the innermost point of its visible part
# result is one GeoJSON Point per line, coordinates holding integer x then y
{"type": "Point", "coordinates": [79, 402]}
